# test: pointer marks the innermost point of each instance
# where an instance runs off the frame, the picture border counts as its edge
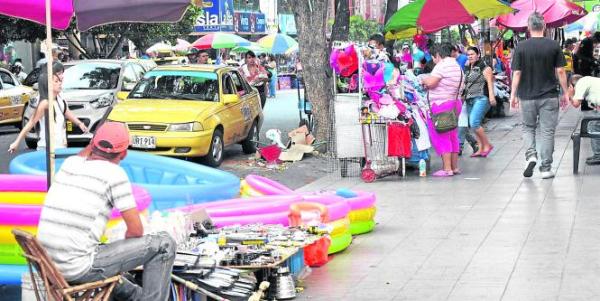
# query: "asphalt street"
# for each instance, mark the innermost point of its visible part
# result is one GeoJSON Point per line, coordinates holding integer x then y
{"type": "Point", "coordinates": [279, 113]}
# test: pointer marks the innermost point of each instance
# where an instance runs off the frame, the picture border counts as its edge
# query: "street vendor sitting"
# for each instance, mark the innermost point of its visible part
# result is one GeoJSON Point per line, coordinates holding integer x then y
{"type": "Point", "coordinates": [75, 213]}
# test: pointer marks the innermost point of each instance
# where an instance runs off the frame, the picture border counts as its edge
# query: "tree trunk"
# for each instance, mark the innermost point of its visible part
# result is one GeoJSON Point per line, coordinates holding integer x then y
{"type": "Point", "coordinates": [115, 48]}
{"type": "Point", "coordinates": [341, 24]}
{"type": "Point", "coordinates": [390, 9]}
{"type": "Point", "coordinates": [75, 42]}
{"type": "Point", "coordinates": [311, 23]}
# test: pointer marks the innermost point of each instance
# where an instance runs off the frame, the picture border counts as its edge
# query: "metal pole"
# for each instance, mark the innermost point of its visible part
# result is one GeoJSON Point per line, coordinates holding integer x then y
{"type": "Point", "coordinates": [50, 125]}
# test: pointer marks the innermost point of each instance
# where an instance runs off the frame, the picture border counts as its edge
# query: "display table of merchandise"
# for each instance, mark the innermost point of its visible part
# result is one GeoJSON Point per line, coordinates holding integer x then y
{"type": "Point", "coordinates": [230, 262]}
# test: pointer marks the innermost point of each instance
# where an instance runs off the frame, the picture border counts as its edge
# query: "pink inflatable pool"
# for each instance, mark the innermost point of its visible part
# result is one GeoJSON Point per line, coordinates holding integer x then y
{"type": "Point", "coordinates": [362, 200]}
{"type": "Point", "coordinates": [280, 218]}
{"type": "Point", "coordinates": [29, 215]}
{"type": "Point", "coordinates": [267, 186]}
{"type": "Point", "coordinates": [266, 210]}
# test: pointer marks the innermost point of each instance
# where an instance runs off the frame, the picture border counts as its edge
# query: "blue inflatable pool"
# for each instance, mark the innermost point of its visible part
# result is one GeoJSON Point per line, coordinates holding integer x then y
{"type": "Point", "coordinates": [11, 274]}
{"type": "Point", "coordinates": [171, 182]}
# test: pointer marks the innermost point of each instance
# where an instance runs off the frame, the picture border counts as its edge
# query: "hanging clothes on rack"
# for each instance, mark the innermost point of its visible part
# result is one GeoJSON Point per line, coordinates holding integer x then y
{"type": "Point", "coordinates": [422, 141]}
{"type": "Point", "coordinates": [373, 76]}
{"type": "Point", "coordinates": [399, 140]}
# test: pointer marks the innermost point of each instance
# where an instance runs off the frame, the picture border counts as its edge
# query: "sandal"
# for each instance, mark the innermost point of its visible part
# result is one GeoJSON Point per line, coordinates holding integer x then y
{"type": "Point", "coordinates": [486, 153]}
{"type": "Point", "coordinates": [443, 173]}
{"type": "Point", "coordinates": [457, 171]}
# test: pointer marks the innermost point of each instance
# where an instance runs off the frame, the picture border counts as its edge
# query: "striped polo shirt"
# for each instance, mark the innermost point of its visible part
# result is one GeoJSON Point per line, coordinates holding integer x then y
{"type": "Point", "coordinates": [77, 208]}
{"type": "Point", "coordinates": [449, 73]}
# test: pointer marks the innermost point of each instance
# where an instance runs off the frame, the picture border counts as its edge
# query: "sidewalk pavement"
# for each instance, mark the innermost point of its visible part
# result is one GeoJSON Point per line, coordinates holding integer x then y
{"type": "Point", "coordinates": [488, 234]}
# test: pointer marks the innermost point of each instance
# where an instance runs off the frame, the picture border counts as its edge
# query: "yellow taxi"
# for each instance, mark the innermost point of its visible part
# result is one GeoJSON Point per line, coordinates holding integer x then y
{"type": "Point", "coordinates": [191, 111]}
{"type": "Point", "coordinates": [13, 98]}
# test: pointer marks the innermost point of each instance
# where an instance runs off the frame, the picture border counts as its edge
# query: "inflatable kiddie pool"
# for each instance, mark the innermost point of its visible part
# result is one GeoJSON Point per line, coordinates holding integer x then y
{"type": "Point", "coordinates": [275, 209]}
{"type": "Point", "coordinates": [11, 274]}
{"type": "Point", "coordinates": [171, 182]}
{"type": "Point", "coordinates": [21, 202]}
{"type": "Point", "coordinates": [362, 203]}
{"type": "Point", "coordinates": [362, 209]}
{"type": "Point", "coordinates": [265, 209]}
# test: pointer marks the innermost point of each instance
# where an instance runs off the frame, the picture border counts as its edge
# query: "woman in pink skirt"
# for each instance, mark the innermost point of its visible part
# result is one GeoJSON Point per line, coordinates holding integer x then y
{"type": "Point", "coordinates": [444, 85]}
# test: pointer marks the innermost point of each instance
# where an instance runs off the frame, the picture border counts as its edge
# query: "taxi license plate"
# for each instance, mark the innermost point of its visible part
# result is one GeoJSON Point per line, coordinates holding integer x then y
{"type": "Point", "coordinates": [69, 126]}
{"type": "Point", "coordinates": [147, 142]}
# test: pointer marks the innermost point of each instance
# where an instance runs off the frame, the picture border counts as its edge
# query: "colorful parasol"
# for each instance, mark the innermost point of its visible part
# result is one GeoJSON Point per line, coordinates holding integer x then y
{"type": "Point", "coordinates": [182, 46]}
{"type": "Point", "coordinates": [220, 40]}
{"type": "Point", "coordinates": [254, 47]}
{"type": "Point", "coordinates": [556, 13]}
{"type": "Point", "coordinates": [159, 47]}
{"type": "Point", "coordinates": [433, 15]}
{"type": "Point", "coordinates": [277, 43]}
{"type": "Point", "coordinates": [92, 13]}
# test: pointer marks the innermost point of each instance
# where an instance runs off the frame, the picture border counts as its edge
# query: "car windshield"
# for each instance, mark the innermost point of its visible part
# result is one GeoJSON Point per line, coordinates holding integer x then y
{"type": "Point", "coordinates": [92, 75]}
{"type": "Point", "coordinates": [179, 85]}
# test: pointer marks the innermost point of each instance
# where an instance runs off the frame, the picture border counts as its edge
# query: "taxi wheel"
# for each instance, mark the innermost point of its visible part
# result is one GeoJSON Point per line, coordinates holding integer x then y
{"type": "Point", "coordinates": [214, 157]}
{"type": "Point", "coordinates": [249, 145]}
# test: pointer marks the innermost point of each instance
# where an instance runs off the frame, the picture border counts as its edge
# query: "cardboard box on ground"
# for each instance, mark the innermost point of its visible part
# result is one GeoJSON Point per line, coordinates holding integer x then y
{"type": "Point", "coordinates": [300, 143]}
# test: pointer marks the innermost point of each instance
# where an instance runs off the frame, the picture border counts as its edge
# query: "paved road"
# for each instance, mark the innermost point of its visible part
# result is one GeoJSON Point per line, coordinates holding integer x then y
{"type": "Point", "coordinates": [488, 234]}
{"type": "Point", "coordinates": [280, 113]}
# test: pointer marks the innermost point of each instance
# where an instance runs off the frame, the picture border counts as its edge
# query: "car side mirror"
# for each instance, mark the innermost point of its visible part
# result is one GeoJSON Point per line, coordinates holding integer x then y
{"type": "Point", "coordinates": [128, 86]}
{"type": "Point", "coordinates": [36, 87]}
{"type": "Point", "coordinates": [230, 98]}
{"type": "Point", "coordinates": [122, 95]}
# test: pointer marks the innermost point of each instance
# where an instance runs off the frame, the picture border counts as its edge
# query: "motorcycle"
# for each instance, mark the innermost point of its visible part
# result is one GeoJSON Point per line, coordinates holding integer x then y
{"type": "Point", "coordinates": [502, 94]}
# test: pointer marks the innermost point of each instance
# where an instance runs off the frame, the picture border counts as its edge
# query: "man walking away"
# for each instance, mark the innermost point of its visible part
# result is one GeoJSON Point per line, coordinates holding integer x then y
{"type": "Point", "coordinates": [536, 64]}
{"type": "Point", "coordinates": [587, 90]}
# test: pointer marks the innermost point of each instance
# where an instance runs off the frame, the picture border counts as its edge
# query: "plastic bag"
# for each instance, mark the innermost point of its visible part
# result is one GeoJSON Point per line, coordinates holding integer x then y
{"type": "Point", "coordinates": [315, 254]}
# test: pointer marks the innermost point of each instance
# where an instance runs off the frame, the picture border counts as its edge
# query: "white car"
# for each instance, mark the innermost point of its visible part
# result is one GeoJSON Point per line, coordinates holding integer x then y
{"type": "Point", "coordinates": [91, 88]}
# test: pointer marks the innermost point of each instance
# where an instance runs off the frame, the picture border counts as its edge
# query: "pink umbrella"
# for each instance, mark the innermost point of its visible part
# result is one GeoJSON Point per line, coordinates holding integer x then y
{"type": "Point", "coordinates": [92, 13]}
{"type": "Point", "coordinates": [557, 13]}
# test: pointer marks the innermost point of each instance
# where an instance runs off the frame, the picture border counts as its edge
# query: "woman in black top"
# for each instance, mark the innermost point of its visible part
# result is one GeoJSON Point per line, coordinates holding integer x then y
{"type": "Point", "coordinates": [479, 95]}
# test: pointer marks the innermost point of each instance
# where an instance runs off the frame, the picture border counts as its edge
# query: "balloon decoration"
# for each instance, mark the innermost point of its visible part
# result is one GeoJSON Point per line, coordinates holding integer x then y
{"type": "Point", "coordinates": [344, 61]}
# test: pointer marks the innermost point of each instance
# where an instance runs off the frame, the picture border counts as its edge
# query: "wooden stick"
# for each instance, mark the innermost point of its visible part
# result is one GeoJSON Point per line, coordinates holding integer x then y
{"type": "Point", "coordinates": [50, 116]}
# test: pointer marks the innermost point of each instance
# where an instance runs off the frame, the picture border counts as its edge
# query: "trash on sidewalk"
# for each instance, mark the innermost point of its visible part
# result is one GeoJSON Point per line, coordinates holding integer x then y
{"type": "Point", "coordinates": [271, 154]}
{"type": "Point", "coordinates": [275, 136]}
{"type": "Point", "coordinates": [300, 143]}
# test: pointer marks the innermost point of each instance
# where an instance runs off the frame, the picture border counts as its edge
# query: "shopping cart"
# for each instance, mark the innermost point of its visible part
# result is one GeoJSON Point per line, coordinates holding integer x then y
{"type": "Point", "coordinates": [376, 163]}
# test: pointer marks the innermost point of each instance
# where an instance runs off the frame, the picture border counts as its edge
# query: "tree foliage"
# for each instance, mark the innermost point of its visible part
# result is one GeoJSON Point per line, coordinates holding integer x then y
{"type": "Point", "coordinates": [361, 29]}
{"type": "Point", "coordinates": [13, 29]}
{"type": "Point", "coordinates": [143, 35]}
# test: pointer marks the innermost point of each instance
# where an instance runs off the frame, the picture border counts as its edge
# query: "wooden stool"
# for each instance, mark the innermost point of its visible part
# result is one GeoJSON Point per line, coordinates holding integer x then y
{"type": "Point", "coordinates": [55, 284]}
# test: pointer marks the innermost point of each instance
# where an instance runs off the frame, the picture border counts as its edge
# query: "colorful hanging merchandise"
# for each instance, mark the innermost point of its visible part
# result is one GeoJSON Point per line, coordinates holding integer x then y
{"type": "Point", "coordinates": [399, 140]}
{"type": "Point", "coordinates": [344, 61]}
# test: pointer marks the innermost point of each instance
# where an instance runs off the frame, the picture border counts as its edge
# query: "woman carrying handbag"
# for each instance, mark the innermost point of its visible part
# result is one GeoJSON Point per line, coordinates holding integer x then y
{"type": "Point", "coordinates": [444, 85]}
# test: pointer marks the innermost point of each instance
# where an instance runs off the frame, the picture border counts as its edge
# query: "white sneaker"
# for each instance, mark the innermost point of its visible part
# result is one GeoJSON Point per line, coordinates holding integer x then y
{"type": "Point", "coordinates": [531, 162]}
{"type": "Point", "coordinates": [547, 174]}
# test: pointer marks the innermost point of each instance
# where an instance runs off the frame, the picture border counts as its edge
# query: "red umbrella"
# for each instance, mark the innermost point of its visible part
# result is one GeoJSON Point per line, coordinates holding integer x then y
{"type": "Point", "coordinates": [556, 13]}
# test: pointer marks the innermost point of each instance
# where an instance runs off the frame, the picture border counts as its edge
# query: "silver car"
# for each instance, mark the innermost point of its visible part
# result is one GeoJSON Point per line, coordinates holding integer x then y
{"type": "Point", "coordinates": [90, 88]}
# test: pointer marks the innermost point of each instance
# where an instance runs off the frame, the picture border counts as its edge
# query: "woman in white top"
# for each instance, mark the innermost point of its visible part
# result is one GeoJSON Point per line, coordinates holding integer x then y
{"type": "Point", "coordinates": [61, 113]}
